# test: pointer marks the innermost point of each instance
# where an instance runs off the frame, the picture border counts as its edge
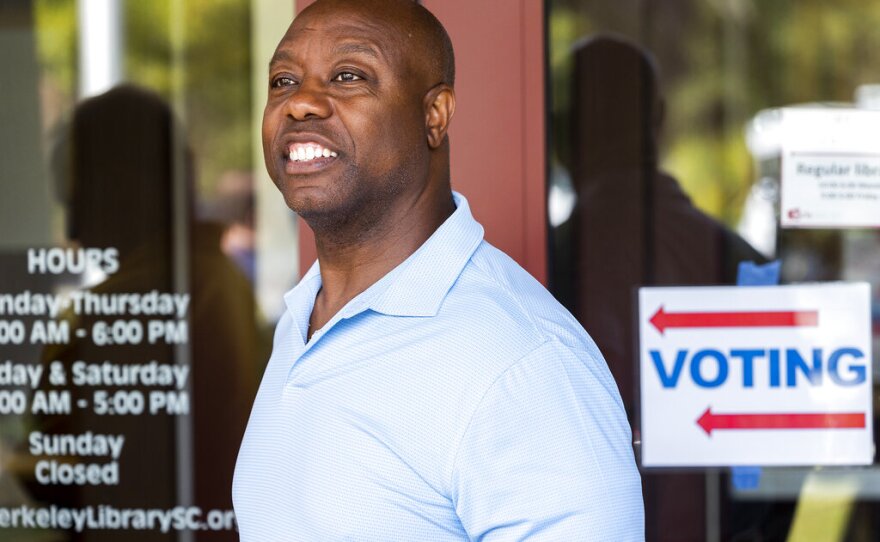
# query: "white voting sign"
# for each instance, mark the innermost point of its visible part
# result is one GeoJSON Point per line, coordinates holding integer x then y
{"type": "Point", "coordinates": [765, 375]}
{"type": "Point", "coordinates": [830, 168]}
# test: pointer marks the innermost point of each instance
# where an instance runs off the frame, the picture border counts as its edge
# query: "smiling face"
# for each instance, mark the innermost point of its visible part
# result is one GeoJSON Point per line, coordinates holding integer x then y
{"type": "Point", "coordinates": [344, 129]}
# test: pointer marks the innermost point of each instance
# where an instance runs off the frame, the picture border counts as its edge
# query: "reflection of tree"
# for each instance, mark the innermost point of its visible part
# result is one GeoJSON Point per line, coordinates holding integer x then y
{"type": "Point", "coordinates": [724, 60]}
{"type": "Point", "coordinates": [212, 61]}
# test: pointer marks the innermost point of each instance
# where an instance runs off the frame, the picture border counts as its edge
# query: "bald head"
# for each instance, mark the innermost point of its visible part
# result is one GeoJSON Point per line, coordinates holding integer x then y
{"type": "Point", "coordinates": [425, 45]}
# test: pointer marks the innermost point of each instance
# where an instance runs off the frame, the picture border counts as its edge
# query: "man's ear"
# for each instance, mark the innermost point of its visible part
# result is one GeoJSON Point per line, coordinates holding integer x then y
{"type": "Point", "coordinates": [439, 107]}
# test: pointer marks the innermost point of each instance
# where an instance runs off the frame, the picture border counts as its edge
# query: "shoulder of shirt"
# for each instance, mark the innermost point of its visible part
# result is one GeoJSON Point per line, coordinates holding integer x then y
{"type": "Point", "coordinates": [522, 330]}
{"type": "Point", "coordinates": [516, 311]}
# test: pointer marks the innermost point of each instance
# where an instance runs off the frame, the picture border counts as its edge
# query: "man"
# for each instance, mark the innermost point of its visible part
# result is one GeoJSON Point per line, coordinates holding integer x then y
{"type": "Point", "coordinates": [422, 385]}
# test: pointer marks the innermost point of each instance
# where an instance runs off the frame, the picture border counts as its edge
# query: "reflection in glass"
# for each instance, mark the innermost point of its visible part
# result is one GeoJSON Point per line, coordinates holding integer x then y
{"type": "Point", "coordinates": [727, 67]}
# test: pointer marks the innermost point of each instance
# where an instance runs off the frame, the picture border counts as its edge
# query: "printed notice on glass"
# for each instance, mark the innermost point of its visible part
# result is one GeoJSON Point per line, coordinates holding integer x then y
{"type": "Point", "coordinates": [96, 402]}
{"type": "Point", "coordinates": [830, 168]}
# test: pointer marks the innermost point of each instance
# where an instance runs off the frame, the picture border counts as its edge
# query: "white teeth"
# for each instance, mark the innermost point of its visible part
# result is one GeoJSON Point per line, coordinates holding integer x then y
{"type": "Point", "coordinates": [308, 153]}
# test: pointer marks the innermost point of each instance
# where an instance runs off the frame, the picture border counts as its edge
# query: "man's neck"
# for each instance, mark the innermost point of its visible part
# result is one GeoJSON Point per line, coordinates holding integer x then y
{"type": "Point", "coordinates": [349, 268]}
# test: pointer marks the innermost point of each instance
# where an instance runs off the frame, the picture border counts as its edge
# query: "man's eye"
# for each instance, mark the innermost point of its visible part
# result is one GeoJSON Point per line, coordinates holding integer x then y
{"type": "Point", "coordinates": [282, 82]}
{"type": "Point", "coordinates": [347, 77]}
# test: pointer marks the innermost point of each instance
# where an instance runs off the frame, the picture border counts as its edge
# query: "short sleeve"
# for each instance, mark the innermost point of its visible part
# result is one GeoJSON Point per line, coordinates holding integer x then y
{"type": "Point", "coordinates": [548, 455]}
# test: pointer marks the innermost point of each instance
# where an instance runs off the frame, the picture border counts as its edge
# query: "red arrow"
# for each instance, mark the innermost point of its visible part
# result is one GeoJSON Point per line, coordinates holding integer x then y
{"type": "Point", "coordinates": [663, 319]}
{"type": "Point", "coordinates": [827, 420]}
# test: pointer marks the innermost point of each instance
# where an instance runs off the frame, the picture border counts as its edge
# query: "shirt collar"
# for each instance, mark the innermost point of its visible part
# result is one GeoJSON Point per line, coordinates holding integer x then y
{"type": "Point", "coordinates": [417, 286]}
{"type": "Point", "coordinates": [423, 280]}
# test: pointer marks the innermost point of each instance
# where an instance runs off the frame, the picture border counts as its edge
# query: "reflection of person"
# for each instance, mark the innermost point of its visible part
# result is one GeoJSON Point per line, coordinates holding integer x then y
{"type": "Point", "coordinates": [117, 171]}
{"type": "Point", "coordinates": [233, 206]}
{"type": "Point", "coordinates": [422, 386]}
{"type": "Point", "coordinates": [634, 226]}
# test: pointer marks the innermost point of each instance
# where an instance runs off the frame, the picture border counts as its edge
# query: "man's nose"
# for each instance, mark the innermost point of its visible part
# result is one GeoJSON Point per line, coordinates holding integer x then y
{"type": "Point", "coordinates": [309, 101]}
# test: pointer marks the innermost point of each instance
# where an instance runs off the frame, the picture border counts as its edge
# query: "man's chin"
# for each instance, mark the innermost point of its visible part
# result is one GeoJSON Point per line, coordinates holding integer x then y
{"type": "Point", "coordinates": [304, 199]}
{"type": "Point", "coordinates": [308, 207]}
{"type": "Point", "coordinates": [315, 206]}
{"type": "Point", "coordinates": [310, 195]}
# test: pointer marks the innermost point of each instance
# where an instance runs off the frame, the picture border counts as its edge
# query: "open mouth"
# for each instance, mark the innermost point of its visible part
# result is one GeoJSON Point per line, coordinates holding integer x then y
{"type": "Point", "coordinates": [309, 152]}
{"type": "Point", "coordinates": [307, 157]}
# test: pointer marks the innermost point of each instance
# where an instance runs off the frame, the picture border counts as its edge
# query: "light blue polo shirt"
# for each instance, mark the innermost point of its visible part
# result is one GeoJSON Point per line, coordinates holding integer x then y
{"type": "Point", "coordinates": [453, 400]}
